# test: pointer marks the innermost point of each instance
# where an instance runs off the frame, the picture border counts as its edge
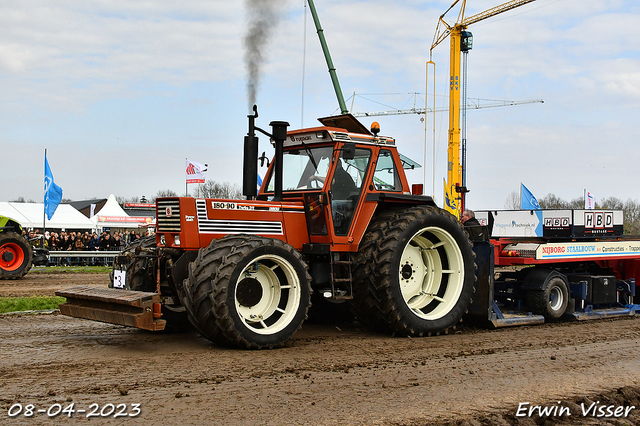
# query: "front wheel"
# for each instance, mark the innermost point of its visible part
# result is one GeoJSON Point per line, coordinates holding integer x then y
{"type": "Point", "coordinates": [16, 256]}
{"type": "Point", "coordinates": [414, 272]}
{"type": "Point", "coordinates": [253, 290]}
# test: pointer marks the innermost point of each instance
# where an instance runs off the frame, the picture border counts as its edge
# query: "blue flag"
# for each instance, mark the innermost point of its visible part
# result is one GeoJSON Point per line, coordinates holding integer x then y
{"type": "Point", "coordinates": [52, 192]}
{"type": "Point", "coordinates": [527, 200]}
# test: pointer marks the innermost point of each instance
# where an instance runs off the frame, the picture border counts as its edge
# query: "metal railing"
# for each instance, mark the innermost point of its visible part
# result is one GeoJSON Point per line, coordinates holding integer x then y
{"type": "Point", "coordinates": [88, 253]}
{"type": "Point", "coordinates": [89, 257]}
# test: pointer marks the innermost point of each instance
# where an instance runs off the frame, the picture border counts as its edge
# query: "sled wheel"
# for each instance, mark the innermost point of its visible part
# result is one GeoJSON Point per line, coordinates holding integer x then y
{"type": "Point", "coordinates": [415, 273]}
{"type": "Point", "coordinates": [552, 301]}
{"type": "Point", "coordinates": [16, 255]}
{"type": "Point", "coordinates": [253, 290]}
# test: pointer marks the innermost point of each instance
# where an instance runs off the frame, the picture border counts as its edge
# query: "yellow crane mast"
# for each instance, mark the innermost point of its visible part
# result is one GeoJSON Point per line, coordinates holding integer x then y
{"type": "Point", "coordinates": [461, 41]}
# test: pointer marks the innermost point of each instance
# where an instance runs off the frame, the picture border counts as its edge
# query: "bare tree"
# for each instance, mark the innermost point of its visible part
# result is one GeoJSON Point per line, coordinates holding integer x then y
{"type": "Point", "coordinates": [612, 203]}
{"type": "Point", "coordinates": [225, 190]}
{"type": "Point", "coordinates": [631, 217]}
{"type": "Point", "coordinates": [21, 200]}
{"type": "Point", "coordinates": [163, 194]}
{"type": "Point", "coordinates": [513, 201]}
{"type": "Point", "coordinates": [576, 203]}
{"type": "Point", "coordinates": [123, 200]}
{"type": "Point", "coordinates": [552, 201]}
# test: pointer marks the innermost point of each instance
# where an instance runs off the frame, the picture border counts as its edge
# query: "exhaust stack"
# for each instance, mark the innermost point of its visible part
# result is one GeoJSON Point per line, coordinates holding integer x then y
{"type": "Point", "coordinates": [250, 165]}
{"type": "Point", "coordinates": [279, 134]}
{"type": "Point", "coordinates": [250, 169]}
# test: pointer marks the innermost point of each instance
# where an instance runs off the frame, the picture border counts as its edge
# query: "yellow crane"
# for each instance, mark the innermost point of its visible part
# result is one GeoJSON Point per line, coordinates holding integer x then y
{"type": "Point", "coordinates": [461, 41]}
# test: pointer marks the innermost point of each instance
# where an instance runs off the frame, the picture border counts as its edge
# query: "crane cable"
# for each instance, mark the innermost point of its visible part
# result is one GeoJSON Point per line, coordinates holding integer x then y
{"type": "Point", "coordinates": [304, 62]}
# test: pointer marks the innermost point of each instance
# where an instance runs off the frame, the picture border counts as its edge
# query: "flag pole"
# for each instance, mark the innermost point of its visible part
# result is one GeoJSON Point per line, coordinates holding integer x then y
{"type": "Point", "coordinates": [186, 184]}
{"type": "Point", "coordinates": [44, 207]}
{"type": "Point", "coordinates": [520, 195]}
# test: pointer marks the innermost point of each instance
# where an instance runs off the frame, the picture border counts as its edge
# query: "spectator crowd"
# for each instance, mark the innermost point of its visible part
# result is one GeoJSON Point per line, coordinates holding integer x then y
{"type": "Point", "coordinates": [81, 241]}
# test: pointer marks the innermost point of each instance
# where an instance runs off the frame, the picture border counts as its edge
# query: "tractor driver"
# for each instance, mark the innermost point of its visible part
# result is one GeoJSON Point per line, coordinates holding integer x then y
{"type": "Point", "coordinates": [343, 189]}
{"type": "Point", "coordinates": [342, 185]}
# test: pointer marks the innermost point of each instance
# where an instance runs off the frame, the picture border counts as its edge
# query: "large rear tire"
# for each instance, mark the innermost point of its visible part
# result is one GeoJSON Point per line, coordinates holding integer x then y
{"type": "Point", "coordinates": [414, 273]}
{"type": "Point", "coordinates": [255, 291]}
{"type": "Point", "coordinates": [16, 256]}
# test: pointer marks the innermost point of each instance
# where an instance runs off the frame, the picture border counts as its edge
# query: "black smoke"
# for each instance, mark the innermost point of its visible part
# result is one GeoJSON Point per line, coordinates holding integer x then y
{"type": "Point", "coordinates": [263, 17]}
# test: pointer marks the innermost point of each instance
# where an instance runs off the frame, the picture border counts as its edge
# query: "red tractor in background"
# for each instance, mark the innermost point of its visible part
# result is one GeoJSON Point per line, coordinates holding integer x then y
{"type": "Point", "coordinates": [17, 255]}
{"type": "Point", "coordinates": [335, 216]}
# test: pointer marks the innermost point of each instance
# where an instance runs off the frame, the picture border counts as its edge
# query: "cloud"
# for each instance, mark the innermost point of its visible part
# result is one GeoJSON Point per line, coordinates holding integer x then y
{"type": "Point", "coordinates": [132, 88]}
{"type": "Point", "coordinates": [73, 51]}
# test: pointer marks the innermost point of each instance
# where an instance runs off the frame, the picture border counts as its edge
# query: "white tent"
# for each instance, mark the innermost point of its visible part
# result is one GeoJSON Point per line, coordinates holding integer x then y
{"type": "Point", "coordinates": [31, 215]}
{"type": "Point", "coordinates": [111, 215]}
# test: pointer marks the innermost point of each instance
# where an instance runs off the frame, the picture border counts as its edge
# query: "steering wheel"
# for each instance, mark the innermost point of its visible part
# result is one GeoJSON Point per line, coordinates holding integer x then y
{"type": "Point", "coordinates": [314, 182]}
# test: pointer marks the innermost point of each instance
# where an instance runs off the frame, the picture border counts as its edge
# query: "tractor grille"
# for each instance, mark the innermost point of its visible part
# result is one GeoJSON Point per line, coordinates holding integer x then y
{"type": "Point", "coordinates": [168, 214]}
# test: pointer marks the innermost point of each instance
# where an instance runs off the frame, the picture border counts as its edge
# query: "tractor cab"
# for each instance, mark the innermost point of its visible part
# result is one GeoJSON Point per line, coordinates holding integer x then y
{"type": "Point", "coordinates": [334, 170]}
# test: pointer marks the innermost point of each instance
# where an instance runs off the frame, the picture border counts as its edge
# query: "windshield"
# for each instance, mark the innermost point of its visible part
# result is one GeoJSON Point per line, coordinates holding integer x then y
{"type": "Point", "coordinates": [303, 168]}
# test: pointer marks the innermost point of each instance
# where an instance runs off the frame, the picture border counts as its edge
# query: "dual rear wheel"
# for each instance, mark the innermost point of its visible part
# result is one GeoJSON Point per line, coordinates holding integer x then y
{"type": "Point", "coordinates": [415, 272]}
{"type": "Point", "coordinates": [249, 291]}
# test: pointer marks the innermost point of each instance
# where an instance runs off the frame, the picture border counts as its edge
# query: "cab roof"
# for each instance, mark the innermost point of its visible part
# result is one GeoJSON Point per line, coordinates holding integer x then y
{"type": "Point", "coordinates": [343, 128]}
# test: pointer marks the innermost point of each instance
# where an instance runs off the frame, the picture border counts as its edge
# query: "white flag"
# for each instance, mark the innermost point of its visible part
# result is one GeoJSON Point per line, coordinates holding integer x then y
{"type": "Point", "coordinates": [589, 201]}
{"type": "Point", "coordinates": [195, 172]}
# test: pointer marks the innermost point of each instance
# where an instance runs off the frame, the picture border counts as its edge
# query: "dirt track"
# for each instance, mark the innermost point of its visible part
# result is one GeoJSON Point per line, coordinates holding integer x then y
{"type": "Point", "coordinates": [327, 375]}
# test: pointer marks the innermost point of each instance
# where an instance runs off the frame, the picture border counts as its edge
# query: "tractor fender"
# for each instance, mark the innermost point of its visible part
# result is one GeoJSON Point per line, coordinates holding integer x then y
{"type": "Point", "coordinates": [9, 224]}
{"type": "Point", "coordinates": [537, 279]}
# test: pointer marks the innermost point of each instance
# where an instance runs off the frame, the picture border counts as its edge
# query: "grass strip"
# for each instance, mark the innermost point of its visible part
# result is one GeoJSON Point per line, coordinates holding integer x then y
{"type": "Point", "coordinates": [35, 303]}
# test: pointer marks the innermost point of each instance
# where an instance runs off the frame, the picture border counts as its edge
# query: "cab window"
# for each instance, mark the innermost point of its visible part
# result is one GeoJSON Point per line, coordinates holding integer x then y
{"type": "Point", "coordinates": [303, 169]}
{"type": "Point", "coordinates": [385, 177]}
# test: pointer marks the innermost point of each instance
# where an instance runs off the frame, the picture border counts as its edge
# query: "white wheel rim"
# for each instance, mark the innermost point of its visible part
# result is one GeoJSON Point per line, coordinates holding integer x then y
{"type": "Point", "coordinates": [279, 300]}
{"type": "Point", "coordinates": [431, 273]}
{"type": "Point", "coordinates": [556, 298]}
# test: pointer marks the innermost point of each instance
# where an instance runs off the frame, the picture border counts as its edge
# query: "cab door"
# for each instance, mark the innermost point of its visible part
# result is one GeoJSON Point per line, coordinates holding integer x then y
{"type": "Point", "coordinates": [331, 213]}
{"type": "Point", "coordinates": [349, 176]}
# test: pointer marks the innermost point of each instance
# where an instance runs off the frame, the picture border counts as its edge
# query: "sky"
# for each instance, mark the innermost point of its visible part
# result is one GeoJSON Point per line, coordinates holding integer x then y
{"type": "Point", "coordinates": [120, 93]}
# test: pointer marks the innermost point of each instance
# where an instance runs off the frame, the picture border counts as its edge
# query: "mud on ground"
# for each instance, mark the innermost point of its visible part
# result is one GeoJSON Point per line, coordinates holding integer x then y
{"type": "Point", "coordinates": [328, 375]}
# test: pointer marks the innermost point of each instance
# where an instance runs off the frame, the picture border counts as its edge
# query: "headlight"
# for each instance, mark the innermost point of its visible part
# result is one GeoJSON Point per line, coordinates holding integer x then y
{"type": "Point", "coordinates": [176, 240]}
{"type": "Point", "coordinates": [162, 240]}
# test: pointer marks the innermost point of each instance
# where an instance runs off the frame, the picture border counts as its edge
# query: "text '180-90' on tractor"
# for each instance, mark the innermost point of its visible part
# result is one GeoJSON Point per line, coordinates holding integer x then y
{"type": "Point", "coordinates": [334, 223]}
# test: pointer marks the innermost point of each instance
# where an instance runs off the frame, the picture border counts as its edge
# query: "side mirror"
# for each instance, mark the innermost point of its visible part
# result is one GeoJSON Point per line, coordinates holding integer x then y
{"type": "Point", "coordinates": [262, 160]}
{"type": "Point", "coordinates": [349, 151]}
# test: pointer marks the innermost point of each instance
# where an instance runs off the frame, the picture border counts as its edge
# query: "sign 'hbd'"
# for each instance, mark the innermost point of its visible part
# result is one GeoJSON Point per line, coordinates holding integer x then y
{"type": "Point", "coordinates": [596, 223]}
{"type": "Point", "coordinates": [553, 223]}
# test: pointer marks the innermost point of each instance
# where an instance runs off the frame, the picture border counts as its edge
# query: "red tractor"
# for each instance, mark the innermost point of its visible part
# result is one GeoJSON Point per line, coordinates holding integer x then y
{"type": "Point", "coordinates": [334, 217]}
